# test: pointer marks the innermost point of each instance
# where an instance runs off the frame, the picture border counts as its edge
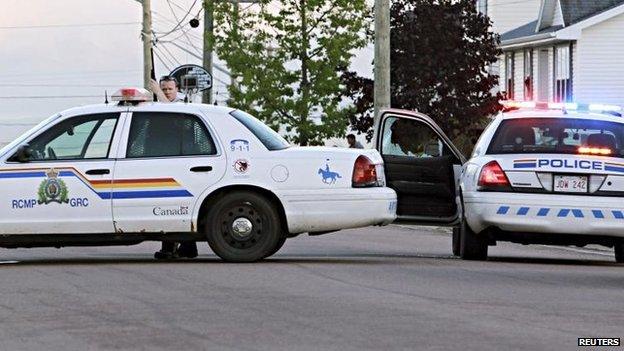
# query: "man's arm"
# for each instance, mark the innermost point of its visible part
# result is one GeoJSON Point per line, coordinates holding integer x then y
{"type": "Point", "coordinates": [155, 88]}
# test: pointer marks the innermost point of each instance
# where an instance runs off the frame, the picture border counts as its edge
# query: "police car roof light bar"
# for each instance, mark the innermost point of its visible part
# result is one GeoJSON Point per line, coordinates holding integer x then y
{"type": "Point", "coordinates": [519, 104]}
{"type": "Point", "coordinates": [131, 95]}
{"type": "Point", "coordinates": [604, 108]}
{"type": "Point", "coordinates": [572, 106]}
{"type": "Point", "coordinates": [565, 106]}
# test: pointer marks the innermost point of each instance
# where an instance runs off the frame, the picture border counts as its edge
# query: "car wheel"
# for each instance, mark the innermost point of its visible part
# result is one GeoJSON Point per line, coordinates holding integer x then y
{"type": "Point", "coordinates": [243, 227]}
{"type": "Point", "coordinates": [619, 252]}
{"type": "Point", "coordinates": [472, 246]}
{"type": "Point", "coordinates": [456, 241]}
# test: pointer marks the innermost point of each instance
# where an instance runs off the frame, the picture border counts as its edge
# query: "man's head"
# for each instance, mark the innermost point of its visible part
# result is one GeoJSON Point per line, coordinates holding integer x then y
{"type": "Point", "coordinates": [169, 86]}
{"type": "Point", "coordinates": [351, 139]}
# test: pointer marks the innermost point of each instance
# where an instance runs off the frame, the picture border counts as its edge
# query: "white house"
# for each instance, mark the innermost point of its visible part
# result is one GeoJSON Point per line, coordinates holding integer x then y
{"type": "Point", "coordinates": [572, 50]}
{"type": "Point", "coordinates": [509, 14]}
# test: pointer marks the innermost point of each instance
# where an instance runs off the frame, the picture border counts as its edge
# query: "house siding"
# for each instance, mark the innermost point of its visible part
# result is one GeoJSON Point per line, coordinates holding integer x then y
{"type": "Point", "coordinates": [558, 15]}
{"type": "Point", "coordinates": [519, 75]}
{"type": "Point", "coordinates": [599, 63]}
{"type": "Point", "coordinates": [535, 74]}
{"type": "Point", "coordinates": [509, 14]}
{"type": "Point", "coordinates": [551, 73]}
{"type": "Point", "coordinates": [575, 68]}
{"type": "Point", "coordinates": [502, 69]}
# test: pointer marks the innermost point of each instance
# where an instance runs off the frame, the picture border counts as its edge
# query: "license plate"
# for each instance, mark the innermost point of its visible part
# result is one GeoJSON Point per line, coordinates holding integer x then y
{"type": "Point", "coordinates": [570, 184]}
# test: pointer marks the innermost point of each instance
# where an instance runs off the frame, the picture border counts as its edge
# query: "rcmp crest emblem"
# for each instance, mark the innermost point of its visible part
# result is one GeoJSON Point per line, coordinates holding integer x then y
{"type": "Point", "coordinates": [52, 189]}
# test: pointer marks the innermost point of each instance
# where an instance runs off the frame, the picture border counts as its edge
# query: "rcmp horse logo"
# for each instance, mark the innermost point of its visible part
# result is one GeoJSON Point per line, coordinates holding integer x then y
{"type": "Point", "coordinates": [328, 176]}
{"type": "Point", "coordinates": [52, 189]}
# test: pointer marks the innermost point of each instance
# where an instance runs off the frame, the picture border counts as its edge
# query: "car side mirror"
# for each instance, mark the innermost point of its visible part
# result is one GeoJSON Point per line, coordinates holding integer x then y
{"type": "Point", "coordinates": [23, 154]}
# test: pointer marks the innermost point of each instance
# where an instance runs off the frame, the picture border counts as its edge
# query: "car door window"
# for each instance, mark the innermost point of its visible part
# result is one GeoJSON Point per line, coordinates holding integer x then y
{"type": "Point", "coordinates": [411, 138]}
{"type": "Point", "coordinates": [419, 166]}
{"type": "Point", "coordinates": [84, 137]}
{"type": "Point", "coordinates": [155, 134]}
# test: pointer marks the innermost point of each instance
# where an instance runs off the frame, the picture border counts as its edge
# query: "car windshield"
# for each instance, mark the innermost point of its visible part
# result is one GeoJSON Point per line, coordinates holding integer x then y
{"type": "Point", "coordinates": [557, 135]}
{"type": "Point", "coordinates": [270, 138]}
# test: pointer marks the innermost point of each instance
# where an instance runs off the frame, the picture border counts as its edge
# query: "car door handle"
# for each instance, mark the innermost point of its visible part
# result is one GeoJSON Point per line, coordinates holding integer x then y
{"type": "Point", "coordinates": [201, 169]}
{"type": "Point", "coordinates": [98, 171]}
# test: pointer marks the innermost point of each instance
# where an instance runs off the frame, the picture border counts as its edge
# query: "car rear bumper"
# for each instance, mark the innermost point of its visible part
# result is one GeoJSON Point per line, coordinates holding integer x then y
{"type": "Point", "coordinates": [335, 209]}
{"type": "Point", "coordinates": [552, 214]}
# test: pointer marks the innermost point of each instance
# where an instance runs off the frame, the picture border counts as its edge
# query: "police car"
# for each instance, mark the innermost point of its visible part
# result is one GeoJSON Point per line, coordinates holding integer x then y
{"type": "Point", "coordinates": [541, 174]}
{"type": "Point", "coordinates": [123, 173]}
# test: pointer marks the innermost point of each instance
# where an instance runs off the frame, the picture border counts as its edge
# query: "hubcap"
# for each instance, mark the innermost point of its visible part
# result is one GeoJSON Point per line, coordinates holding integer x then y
{"type": "Point", "coordinates": [242, 228]}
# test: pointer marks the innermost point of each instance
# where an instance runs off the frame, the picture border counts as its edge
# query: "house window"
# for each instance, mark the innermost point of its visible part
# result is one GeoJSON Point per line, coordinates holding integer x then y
{"type": "Point", "coordinates": [509, 75]}
{"type": "Point", "coordinates": [563, 86]}
{"type": "Point", "coordinates": [528, 75]}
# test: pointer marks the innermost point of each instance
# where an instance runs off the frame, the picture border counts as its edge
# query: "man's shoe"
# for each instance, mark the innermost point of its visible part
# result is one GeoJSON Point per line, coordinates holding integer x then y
{"type": "Point", "coordinates": [165, 255]}
{"type": "Point", "coordinates": [187, 249]}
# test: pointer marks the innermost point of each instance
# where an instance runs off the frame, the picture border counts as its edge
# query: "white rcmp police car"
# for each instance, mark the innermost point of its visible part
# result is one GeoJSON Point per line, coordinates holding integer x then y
{"type": "Point", "coordinates": [543, 174]}
{"type": "Point", "coordinates": [120, 174]}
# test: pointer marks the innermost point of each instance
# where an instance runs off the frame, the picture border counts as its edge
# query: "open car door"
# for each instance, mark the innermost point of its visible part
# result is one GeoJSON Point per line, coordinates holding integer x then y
{"type": "Point", "coordinates": [422, 165]}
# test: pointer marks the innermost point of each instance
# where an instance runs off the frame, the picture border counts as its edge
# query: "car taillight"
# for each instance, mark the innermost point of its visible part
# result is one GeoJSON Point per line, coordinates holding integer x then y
{"type": "Point", "coordinates": [493, 177]}
{"type": "Point", "coordinates": [364, 173]}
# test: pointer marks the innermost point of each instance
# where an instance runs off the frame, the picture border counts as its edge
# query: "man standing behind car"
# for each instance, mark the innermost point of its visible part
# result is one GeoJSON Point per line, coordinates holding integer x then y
{"type": "Point", "coordinates": [167, 91]}
{"type": "Point", "coordinates": [353, 144]}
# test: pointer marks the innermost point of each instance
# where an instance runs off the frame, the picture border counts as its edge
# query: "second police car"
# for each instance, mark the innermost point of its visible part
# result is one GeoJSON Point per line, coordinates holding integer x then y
{"type": "Point", "coordinates": [120, 174]}
{"type": "Point", "coordinates": [545, 173]}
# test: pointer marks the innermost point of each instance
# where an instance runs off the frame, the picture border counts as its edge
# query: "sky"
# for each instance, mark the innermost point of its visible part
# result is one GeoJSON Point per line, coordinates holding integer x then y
{"type": "Point", "coordinates": [74, 50]}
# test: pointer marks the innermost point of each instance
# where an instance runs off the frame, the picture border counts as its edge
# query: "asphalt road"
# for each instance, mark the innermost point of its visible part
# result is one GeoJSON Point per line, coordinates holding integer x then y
{"type": "Point", "coordinates": [391, 288]}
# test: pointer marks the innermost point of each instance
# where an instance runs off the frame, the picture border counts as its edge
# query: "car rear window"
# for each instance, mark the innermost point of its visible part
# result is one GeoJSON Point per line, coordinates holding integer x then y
{"type": "Point", "coordinates": [556, 135]}
{"type": "Point", "coordinates": [266, 135]}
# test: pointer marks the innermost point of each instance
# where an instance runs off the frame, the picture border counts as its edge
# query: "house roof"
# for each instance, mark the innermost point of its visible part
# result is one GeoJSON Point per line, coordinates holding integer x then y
{"type": "Point", "coordinates": [577, 10]}
{"type": "Point", "coordinates": [527, 30]}
{"type": "Point", "coordinates": [573, 11]}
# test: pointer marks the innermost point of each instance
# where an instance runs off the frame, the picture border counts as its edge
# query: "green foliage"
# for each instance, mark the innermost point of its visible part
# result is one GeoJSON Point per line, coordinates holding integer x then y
{"type": "Point", "coordinates": [440, 53]}
{"type": "Point", "coordinates": [285, 58]}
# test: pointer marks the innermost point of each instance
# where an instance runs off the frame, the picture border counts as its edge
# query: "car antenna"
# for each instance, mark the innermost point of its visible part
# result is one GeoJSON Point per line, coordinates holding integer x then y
{"type": "Point", "coordinates": [106, 97]}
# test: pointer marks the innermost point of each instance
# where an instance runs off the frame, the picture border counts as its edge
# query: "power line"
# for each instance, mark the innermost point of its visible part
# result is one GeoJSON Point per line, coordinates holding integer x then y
{"type": "Point", "coordinates": [18, 124]}
{"type": "Point", "coordinates": [165, 19]}
{"type": "Point", "coordinates": [172, 56]}
{"type": "Point", "coordinates": [177, 26]}
{"type": "Point", "coordinates": [60, 85]}
{"type": "Point", "coordinates": [176, 18]}
{"type": "Point", "coordinates": [198, 56]}
{"type": "Point", "coordinates": [160, 59]}
{"type": "Point", "coordinates": [70, 25]}
{"type": "Point", "coordinates": [170, 62]}
{"type": "Point", "coordinates": [84, 73]}
{"type": "Point", "coordinates": [50, 97]}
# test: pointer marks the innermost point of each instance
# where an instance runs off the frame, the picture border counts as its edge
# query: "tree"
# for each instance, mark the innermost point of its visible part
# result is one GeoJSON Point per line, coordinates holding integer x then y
{"type": "Point", "coordinates": [285, 58]}
{"type": "Point", "coordinates": [440, 54]}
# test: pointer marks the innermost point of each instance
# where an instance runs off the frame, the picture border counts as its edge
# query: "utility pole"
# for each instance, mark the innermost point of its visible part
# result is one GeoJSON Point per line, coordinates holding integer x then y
{"type": "Point", "coordinates": [208, 45]}
{"type": "Point", "coordinates": [382, 57]}
{"type": "Point", "coordinates": [146, 35]}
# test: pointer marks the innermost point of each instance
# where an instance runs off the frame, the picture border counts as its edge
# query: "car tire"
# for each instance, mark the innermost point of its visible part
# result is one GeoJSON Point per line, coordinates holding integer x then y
{"type": "Point", "coordinates": [456, 241]}
{"type": "Point", "coordinates": [279, 245]}
{"type": "Point", "coordinates": [472, 246]}
{"type": "Point", "coordinates": [619, 252]}
{"type": "Point", "coordinates": [243, 227]}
